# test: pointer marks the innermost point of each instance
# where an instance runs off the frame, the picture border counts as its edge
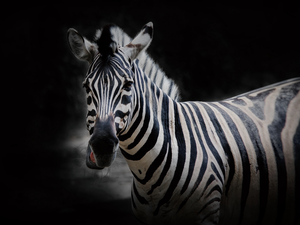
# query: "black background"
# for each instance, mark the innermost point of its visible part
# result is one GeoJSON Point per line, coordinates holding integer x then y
{"type": "Point", "coordinates": [212, 52]}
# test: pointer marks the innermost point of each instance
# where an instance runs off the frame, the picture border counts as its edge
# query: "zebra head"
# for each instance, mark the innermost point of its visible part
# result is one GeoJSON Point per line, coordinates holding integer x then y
{"type": "Point", "coordinates": [109, 85]}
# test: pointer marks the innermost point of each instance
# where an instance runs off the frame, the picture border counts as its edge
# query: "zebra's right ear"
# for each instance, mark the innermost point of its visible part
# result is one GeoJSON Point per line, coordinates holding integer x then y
{"type": "Point", "coordinates": [81, 47]}
{"type": "Point", "coordinates": [140, 43]}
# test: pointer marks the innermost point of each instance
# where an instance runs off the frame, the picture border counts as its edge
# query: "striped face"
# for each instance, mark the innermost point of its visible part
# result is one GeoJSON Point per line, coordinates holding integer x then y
{"type": "Point", "coordinates": [108, 86]}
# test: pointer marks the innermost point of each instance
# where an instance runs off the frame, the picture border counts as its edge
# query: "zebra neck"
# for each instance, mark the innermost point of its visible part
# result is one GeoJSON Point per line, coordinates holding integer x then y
{"type": "Point", "coordinates": [144, 144]}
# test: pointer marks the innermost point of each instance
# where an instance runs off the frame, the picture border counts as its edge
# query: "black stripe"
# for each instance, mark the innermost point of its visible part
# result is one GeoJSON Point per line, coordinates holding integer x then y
{"type": "Point", "coordinates": [122, 62]}
{"type": "Point", "coordinates": [209, 181]}
{"type": "Point", "coordinates": [95, 101]}
{"type": "Point", "coordinates": [89, 100]}
{"type": "Point", "coordinates": [144, 128]}
{"type": "Point", "coordinates": [150, 143]}
{"type": "Point", "coordinates": [215, 188]}
{"type": "Point", "coordinates": [225, 146]}
{"type": "Point", "coordinates": [164, 171]}
{"type": "Point", "coordinates": [111, 75]}
{"type": "Point", "coordinates": [202, 169]}
{"type": "Point", "coordinates": [176, 97]}
{"type": "Point", "coordinates": [91, 67]}
{"type": "Point", "coordinates": [238, 101]}
{"type": "Point", "coordinates": [214, 168]}
{"type": "Point", "coordinates": [155, 76]}
{"type": "Point", "coordinates": [115, 78]}
{"type": "Point", "coordinates": [285, 96]}
{"type": "Point", "coordinates": [92, 86]}
{"type": "Point", "coordinates": [121, 114]}
{"type": "Point", "coordinates": [140, 80]}
{"type": "Point", "coordinates": [155, 92]}
{"type": "Point", "coordinates": [91, 113]}
{"type": "Point", "coordinates": [141, 199]}
{"type": "Point", "coordinates": [259, 103]}
{"type": "Point", "coordinates": [167, 138]}
{"type": "Point", "coordinates": [151, 69]}
{"type": "Point", "coordinates": [91, 74]}
{"type": "Point", "coordinates": [132, 200]}
{"type": "Point", "coordinates": [180, 161]}
{"type": "Point", "coordinates": [170, 87]}
{"type": "Point", "coordinates": [126, 99]}
{"type": "Point", "coordinates": [145, 63]}
{"type": "Point", "coordinates": [155, 164]}
{"type": "Point", "coordinates": [207, 138]}
{"type": "Point", "coordinates": [161, 82]}
{"type": "Point", "coordinates": [244, 157]}
{"type": "Point", "coordinates": [297, 171]}
{"type": "Point", "coordinates": [260, 156]}
{"type": "Point", "coordinates": [138, 108]}
{"type": "Point", "coordinates": [193, 152]}
{"type": "Point", "coordinates": [91, 131]}
{"type": "Point", "coordinates": [216, 199]}
{"type": "Point", "coordinates": [123, 137]}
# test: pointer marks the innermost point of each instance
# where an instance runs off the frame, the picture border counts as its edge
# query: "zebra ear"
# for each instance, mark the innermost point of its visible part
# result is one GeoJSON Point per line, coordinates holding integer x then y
{"type": "Point", "coordinates": [81, 47]}
{"type": "Point", "coordinates": [140, 42]}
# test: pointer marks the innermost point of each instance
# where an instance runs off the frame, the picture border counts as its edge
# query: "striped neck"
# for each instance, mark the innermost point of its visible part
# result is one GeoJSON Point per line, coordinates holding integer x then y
{"type": "Point", "coordinates": [141, 143]}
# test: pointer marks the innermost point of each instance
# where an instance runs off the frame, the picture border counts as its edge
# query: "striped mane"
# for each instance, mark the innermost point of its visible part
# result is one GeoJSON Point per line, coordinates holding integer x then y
{"type": "Point", "coordinates": [154, 72]}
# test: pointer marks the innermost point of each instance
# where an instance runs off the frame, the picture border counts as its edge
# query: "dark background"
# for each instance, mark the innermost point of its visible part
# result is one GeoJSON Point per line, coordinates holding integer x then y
{"type": "Point", "coordinates": [212, 52]}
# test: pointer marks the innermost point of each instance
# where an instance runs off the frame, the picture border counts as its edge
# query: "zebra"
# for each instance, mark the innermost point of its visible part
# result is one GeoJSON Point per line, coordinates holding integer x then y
{"type": "Point", "coordinates": [235, 161]}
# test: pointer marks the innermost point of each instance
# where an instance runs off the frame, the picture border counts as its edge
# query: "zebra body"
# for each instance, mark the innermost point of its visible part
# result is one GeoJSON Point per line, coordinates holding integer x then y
{"type": "Point", "coordinates": [230, 162]}
{"type": "Point", "coordinates": [218, 154]}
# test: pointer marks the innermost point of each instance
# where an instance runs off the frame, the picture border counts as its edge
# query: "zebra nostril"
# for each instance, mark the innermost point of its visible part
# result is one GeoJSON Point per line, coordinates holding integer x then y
{"type": "Point", "coordinates": [92, 157]}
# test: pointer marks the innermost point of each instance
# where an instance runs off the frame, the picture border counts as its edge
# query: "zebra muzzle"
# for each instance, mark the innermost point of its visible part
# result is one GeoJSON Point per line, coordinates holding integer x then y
{"type": "Point", "coordinates": [103, 144]}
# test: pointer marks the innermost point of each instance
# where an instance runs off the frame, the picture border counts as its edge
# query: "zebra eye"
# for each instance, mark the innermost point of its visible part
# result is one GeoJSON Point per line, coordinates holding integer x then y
{"type": "Point", "coordinates": [128, 85]}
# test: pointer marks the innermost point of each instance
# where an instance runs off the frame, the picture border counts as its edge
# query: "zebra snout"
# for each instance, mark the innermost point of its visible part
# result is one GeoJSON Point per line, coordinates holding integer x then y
{"type": "Point", "coordinates": [101, 153]}
{"type": "Point", "coordinates": [103, 145]}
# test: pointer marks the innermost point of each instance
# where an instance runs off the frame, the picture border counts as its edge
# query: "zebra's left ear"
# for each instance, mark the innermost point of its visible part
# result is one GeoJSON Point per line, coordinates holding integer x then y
{"type": "Point", "coordinates": [81, 47]}
{"type": "Point", "coordinates": [140, 42]}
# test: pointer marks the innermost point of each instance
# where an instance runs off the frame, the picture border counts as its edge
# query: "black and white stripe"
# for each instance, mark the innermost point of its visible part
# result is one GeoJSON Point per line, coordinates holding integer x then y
{"type": "Point", "coordinates": [146, 63]}
{"type": "Point", "coordinates": [149, 67]}
{"type": "Point", "coordinates": [235, 161]}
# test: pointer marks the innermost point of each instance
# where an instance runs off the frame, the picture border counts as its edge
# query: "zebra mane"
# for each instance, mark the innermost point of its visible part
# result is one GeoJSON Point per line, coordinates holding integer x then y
{"type": "Point", "coordinates": [106, 44]}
